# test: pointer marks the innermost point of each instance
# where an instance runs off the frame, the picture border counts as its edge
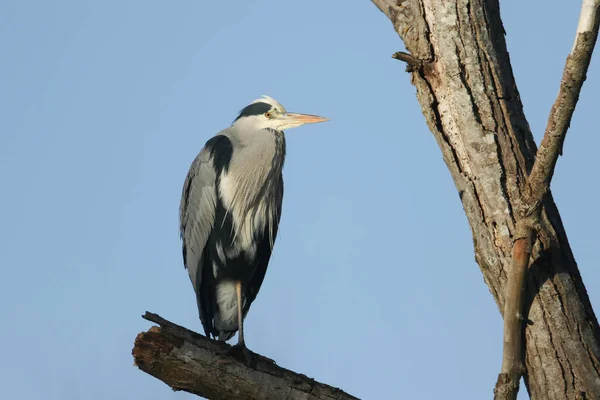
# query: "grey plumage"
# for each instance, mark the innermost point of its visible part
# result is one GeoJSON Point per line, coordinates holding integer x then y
{"type": "Point", "coordinates": [230, 211]}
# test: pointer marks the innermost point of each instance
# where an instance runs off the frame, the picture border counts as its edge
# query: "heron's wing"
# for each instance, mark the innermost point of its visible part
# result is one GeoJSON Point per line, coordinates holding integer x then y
{"type": "Point", "coordinates": [196, 217]}
{"type": "Point", "coordinates": [264, 250]}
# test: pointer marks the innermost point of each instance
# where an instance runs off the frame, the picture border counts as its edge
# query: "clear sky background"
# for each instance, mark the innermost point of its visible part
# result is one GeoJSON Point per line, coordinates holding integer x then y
{"type": "Point", "coordinates": [373, 285]}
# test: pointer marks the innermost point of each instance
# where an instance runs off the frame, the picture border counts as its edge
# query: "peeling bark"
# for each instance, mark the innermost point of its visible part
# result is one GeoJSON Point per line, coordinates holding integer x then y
{"type": "Point", "coordinates": [472, 106]}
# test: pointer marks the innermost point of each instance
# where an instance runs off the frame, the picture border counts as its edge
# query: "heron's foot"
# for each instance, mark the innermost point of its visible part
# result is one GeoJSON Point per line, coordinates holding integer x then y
{"type": "Point", "coordinates": [241, 353]}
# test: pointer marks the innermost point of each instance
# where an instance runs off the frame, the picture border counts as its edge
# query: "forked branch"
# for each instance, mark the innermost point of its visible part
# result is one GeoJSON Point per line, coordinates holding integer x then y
{"type": "Point", "coordinates": [539, 179]}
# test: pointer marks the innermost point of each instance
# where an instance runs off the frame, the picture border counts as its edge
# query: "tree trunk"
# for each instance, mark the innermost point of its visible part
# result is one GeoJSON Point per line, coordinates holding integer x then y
{"type": "Point", "coordinates": [461, 69]}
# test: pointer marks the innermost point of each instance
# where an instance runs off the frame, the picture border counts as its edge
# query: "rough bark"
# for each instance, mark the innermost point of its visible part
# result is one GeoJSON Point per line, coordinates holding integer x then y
{"type": "Point", "coordinates": [470, 101]}
{"type": "Point", "coordinates": [187, 361]}
{"type": "Point", "coordinates": [538, 184]}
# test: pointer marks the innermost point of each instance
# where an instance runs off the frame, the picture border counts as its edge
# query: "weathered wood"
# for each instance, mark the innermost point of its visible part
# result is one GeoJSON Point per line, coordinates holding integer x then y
{"type": "Point", "coordinates": [538, 184]}
{"type": "Point", "coordinates": [472, 106]}
{"type": "Point", "coordinates": [188, 361]}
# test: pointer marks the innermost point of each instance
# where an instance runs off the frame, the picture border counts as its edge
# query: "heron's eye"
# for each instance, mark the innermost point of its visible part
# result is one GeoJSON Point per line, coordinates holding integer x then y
{"type": "Point", "coordinates": [268, 114]}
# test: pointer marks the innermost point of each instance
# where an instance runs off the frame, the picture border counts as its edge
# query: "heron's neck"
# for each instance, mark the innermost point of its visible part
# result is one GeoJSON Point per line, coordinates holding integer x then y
{"type": "Point", "coordinates": [255, 169]}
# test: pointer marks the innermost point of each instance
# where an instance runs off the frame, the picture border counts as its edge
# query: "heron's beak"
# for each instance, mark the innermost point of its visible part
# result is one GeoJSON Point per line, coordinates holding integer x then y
{"type": "Point", "coordinates": [301, 119]}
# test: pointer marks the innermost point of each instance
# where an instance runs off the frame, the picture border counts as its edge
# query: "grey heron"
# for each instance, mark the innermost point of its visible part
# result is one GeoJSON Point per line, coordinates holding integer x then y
{"type": "Point", "coordinates": [229, 213]}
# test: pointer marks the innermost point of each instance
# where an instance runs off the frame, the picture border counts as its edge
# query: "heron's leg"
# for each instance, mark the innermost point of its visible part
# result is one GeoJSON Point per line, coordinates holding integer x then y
{"type": "Point", "coordinates": [240, 351]}
{"type": "Point", "coordinates": [238, 292]}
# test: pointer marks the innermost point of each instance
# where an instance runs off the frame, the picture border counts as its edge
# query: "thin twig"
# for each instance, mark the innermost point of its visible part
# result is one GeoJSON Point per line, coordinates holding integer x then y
{"type": "Point", "coordinates": [539, 179]}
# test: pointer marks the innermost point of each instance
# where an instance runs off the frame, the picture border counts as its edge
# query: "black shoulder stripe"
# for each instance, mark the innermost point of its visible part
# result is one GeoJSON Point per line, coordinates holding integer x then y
{"type": "Point", "coordinates": [221, 150]}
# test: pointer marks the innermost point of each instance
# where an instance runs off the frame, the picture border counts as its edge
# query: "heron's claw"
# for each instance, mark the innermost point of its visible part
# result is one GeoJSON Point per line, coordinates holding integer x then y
{"type": "Point", "coordinates": [241, 353]}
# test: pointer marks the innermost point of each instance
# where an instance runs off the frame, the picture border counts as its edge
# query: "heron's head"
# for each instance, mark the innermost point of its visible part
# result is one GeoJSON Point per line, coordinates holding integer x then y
{"type": "Point", "coordinates": [266, 112]}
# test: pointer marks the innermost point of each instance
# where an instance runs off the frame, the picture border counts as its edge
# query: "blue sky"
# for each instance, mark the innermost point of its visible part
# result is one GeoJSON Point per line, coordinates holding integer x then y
{"type": "Point", "coordinates": [373, 285]}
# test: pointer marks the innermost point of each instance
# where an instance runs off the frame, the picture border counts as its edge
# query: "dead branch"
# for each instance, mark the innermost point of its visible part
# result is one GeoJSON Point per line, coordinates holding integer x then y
{"type": "Point", "coordinates": [412, 63]}
{"type": "Point", "coordinates": [539, 179]}
{"type": "Point", "coordinates": [188, 361]}
{"type": "Point", "coordinates": [407, 58]}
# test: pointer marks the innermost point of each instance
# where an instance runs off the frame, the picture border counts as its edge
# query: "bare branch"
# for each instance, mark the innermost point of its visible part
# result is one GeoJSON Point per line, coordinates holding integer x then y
{"type": "Point", "coordinates": [188, 361]}
{"type": "Point", "coordinates": [513, 367]}
{"type": "Point", "coordinates": [559, 120]}
{"type": "Point", "coordinates": [539, 179]}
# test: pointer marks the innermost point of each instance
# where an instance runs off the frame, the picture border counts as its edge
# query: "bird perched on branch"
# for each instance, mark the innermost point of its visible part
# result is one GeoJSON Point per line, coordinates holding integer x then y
{"type": "Point", "coordinates": [230, 210]}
